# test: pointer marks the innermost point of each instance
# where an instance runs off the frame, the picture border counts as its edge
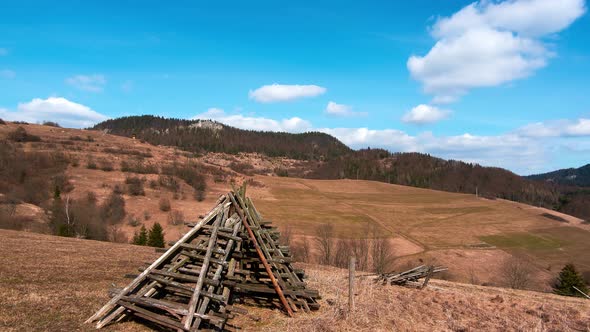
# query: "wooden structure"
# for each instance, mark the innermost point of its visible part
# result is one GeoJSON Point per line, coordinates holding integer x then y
{"type": "Point", "coordinates": [410, 277]}
{"type": "Point", "coordinates": [231, 253]}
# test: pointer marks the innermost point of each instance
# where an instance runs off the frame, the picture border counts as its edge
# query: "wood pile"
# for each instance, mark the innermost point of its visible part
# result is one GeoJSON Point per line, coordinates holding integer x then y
{"type": "Point", "coordinates": [230, 254]}
{"type": "Point", "coordinates": [410, 277]}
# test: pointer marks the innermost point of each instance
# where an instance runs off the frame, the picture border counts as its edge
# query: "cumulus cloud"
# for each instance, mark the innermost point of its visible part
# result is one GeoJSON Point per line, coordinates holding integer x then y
{"type": "Point", "coordinates": [91, 83]}
{"type": "Point", "coordinates": [292, 125]}
{"type": "Point", "coordinates": [280, 93]}
{"type": "Point", "coordinates": [490, 43]}
{"type": "Point", "coordinates": [336, 109]}
{"type": "Point", "coordinates": [66, 113]}
{"type": "Point", "coordinates": [7, 73]}
{"type": "Point", "coordinates": [559, 128]}
{"type": "Point", "coordinates": [424, 114]}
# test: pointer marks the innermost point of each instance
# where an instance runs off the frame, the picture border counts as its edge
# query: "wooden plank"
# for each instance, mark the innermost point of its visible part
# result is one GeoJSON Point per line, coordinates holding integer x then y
{"type": "Point", "coordinates": [262, 258]}
{"type": "Point", "coordinates": [192, 306]}
{"type": "Point", "coordinates": [137, 281]}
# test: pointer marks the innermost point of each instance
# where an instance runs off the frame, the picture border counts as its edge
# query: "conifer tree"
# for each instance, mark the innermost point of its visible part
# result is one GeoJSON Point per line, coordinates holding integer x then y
{"type": "Point", "coordinates": [567, 280]}
{"type": "Point", "coordinates": [156, 236]}
{"type": "Point", "coordinates": [141, 238]}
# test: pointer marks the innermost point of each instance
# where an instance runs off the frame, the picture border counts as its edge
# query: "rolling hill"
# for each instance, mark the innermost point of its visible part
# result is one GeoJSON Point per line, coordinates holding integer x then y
{"type": "Point", "coordinates": [474, 235]}
{"type": "Point", "coordinates": [578, 177]}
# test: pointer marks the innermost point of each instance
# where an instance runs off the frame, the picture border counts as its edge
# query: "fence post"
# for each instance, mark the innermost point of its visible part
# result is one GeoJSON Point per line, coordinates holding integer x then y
{"type": "Point", "coordinates": [351, 268]}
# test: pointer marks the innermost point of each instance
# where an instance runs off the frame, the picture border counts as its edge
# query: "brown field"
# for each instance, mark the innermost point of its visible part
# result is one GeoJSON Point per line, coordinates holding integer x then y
{"type": "Point", "coordinates": [52, 283]}
{"type": "Point", "coordinates": [471, 235]}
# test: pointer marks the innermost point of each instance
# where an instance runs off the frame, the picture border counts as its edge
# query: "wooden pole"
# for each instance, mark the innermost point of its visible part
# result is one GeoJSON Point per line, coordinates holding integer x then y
{"type": "Point", "coordinates": [267, 267]}
{"type": "Point", "coordinates": [586, 295]}
{"type": "Point", "coordinates": [351, 270]}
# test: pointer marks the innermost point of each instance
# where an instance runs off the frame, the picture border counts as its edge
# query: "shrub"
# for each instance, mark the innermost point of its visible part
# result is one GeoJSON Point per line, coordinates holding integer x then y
{"type": "Point", "coordinates": [133, 221]}
{"type": "Point", "coordinates": [516, 273]}
{"type": "Point", "coordinates": [169, 182]}
{"type": "Point", "coordinates": [164, 204]}
{"type": "Point", "coordinates": [112, 211]}
{"type": "Point", "coordinates": [281, 172]}
{"type": "Point", "coordinates": [240, 167]}
{"type": "Point", "coordinates": [156, 236]}
{"type": "Point", "coordinates": [134, 186]}
{"type": "Point", "coordinates": [51, 124]}
{"type": "Point", "coordinates": [2, 122]}
{"type": "Point", "coordinates": [147, 215]}
{"type": "Point", "coordinates": [175, 217]}
{"type": "Point", "coordinates": [568, 279]}
{"type": "Point", "coordinates": [90, 164]}
{"type": "Point", "coordinates": [21, 135]}
{"type": "Point", "coordinates": [137, 166]}
{"type": "Point", "coordinates": [105, 165]}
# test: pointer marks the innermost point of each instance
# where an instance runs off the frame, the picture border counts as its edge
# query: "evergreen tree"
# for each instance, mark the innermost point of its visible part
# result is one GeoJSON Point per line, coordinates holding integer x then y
{"type": "Point", "coordinates": [156, 236]}
{"type": "Point", "coordinates": [568, 278]}
{"type": "Point", "coordinates": [141, 238]}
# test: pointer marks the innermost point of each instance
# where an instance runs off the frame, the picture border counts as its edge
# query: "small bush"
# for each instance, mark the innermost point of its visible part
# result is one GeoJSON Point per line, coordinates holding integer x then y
{"type": "Point", "coordinates": [240, 167]}
{"type": "Point", "coordinates": [112, 211]}
{"type": "Point", "coordinates": [91, 164]}
{"type": "Point", "coordinates": [105, 165]}
{"type": "Point", "coordinates": [134, 186]}
{"type": "Point", "coordinates": [147, 215]}
{"type": "Point", "coordinates": [165, 204]}
{"type": "Point", "coordinates": [137, 166]}
{"type": "Point", "coordinates": [133, 221]}
{"type": "Point", "coordinates": [51, 124]}
{"type": "Point", "coordinates": [2, 122]}
{"type": "Point", "coordinates": [21, 135]}
{"type": "Point", "coordinates": [175, 217]}
{"type": "Point", "coordinates": [281, 172]}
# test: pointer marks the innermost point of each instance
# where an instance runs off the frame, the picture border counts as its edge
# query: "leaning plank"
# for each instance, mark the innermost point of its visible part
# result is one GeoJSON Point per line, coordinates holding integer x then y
{"type": "Point", "coordinates": [262, 258]}
{"type": "Point", "coordinates": [192, 305]}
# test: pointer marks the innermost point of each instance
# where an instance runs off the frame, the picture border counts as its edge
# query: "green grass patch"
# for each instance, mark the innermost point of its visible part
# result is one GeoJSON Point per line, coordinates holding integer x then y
{"type": "Point", "coordinates": [523, 241]}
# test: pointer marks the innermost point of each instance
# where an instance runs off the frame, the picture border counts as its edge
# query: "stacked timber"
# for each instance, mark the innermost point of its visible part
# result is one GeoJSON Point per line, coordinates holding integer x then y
{"type": "Point", "coordinates": [410, 277]}
{"type": "Point", "coordinates": [230, 254]}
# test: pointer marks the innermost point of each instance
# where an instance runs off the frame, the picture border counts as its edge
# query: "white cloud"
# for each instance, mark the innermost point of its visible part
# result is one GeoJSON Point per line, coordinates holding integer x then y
{"type": "Point", "coordinates": [336, 109]}
{"type": "Point", "coordinates": [7, 73]}
{"type": "Point", "coordinates": [560, 128]}
{"type": "Point", "coordinates": [424, 114]}
{"type": "Point", "coordinates": [91, 83]}
{"type": "Point", "coordinates": [3, 51]}
{"type": "Point", "coordinates": [280, 93]}
{"type": "Point", "coordinates": [60, 110]}
{"type": "Point", "coordinates": [490, 43]}
{"type": "Point", "coordinates": [292, 125]}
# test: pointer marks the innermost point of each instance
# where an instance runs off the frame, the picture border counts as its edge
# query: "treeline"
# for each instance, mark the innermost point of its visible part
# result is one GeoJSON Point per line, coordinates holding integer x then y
{"type": "Point", "coordinates": [579, 177]}
{"type": "Point", "coordinates": [424, 171]}
{"type": "Point", "coordinates": [208, 136]}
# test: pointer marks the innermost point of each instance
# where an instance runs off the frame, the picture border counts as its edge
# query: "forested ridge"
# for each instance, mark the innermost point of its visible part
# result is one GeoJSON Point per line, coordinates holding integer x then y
{"type": "Point", "coordinates": [328, 158]}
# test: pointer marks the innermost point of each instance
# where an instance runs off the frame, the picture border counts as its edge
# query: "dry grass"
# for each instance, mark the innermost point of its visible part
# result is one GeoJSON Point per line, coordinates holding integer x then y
{"type": "Point", "coordinates": [53, 284]}
{"type": "Point", "coordinates": [443, 306]}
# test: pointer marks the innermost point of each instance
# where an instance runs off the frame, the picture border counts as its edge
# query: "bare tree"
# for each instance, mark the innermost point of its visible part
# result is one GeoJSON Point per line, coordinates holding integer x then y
{"type": "Point", "coordinates": [360, 249]}
{"type": "Point", "coordinates": [516, 273]}
{"type": "Point", "coordinates": [286, 235]}
{"type": "Point", "coordinates": [342, 253]}
{"type": "Point", "coordinates": [325, 240]}
{"type": "Point", "coordinates": [381, 253]}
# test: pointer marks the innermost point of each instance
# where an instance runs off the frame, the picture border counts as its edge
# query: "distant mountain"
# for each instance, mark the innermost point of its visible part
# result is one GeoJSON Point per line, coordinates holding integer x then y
{"type": "Point", "coordinates": [211, 136]}
{"type": "Point", "coordinates": [579, 177]}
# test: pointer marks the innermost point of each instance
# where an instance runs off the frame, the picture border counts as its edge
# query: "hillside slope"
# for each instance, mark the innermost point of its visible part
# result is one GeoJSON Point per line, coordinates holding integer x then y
{"type": "Point", "coordinates": [579, 177]}
{"type": "Point", "coordinates": [70, 278]}
{"type": "Point", "coordinates": [327, 158]}
{"type": "Point", "coordinates": [459, 230]}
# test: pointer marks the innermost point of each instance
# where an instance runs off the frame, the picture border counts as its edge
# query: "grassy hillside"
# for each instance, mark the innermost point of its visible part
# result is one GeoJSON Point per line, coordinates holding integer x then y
{"type": "Point", "coordinates": [69, 280]}
{"type": "Point", "coordinates": [473, 235]}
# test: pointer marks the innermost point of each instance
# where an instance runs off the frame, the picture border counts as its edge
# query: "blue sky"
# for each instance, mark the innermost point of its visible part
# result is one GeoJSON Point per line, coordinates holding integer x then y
{"type": "Point", "coordinates": [501, 83]}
